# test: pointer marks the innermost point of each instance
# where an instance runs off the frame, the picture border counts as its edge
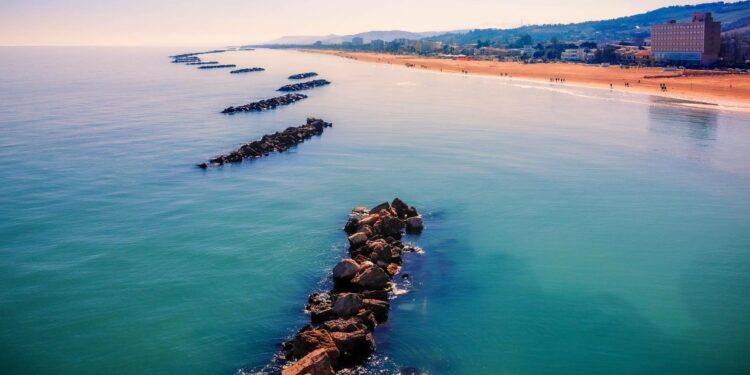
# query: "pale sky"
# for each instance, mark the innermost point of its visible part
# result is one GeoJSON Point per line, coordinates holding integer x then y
{"type": "Point", "coordinates": [229, 22]}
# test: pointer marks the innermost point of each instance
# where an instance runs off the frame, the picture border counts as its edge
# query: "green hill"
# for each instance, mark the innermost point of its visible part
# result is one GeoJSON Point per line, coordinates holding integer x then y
{"type": "Point", "coordinates": [732, 15]}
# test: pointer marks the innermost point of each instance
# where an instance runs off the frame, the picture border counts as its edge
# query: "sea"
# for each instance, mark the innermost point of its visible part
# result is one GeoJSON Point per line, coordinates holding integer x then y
{"type": "Point", "coordinates": [567, 230]}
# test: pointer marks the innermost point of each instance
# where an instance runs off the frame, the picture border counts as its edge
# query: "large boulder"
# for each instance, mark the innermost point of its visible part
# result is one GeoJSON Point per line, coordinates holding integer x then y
{"type": "Point", "coordinates": [400, 207]}
{"type": "Point", "coordinates": [391, 227]}
{"type": "Point", "coordinates": [343, 325]}
{"type": "Point", "coordinates": [317, 362]}
{"type": "Point", "coordinates": [378, 308]}
{"type": "Point", "coordinates": [381, 252]}
{"type": "Point", "coordinates": [393, 269]}
{"type": "Point", "coordinates": [357, 239]}
{"type": "Point", "coordinates": [352, 223]}
{"type": "Point", "coordinates": [347, 304]}
{"type": "Point", "coordinates": [354, 346]}
{"type": "Point", "coordinates": [320, 307]}
{"type": "Point", "coordinates": [411, 212]}
{"type": "Point", "coordinates": [367, 318]}
{"type": "Point", "coordinates": [373, 278]}
{"type": "Point", "coordinates": [383, 206]}
{"type": "Point", "coordinates": [369, 220]}
{"type": "Point", "coordinates": [375, 294]}
{"type": "Point", "coordinates": [308, 341]}
{"type": "Point", "coordinates": [345, 269]}
{"type": "Point", "coordinates": [414, 224]}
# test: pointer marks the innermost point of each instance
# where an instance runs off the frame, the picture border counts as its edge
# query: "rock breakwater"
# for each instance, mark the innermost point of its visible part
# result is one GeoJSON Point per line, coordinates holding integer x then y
{"type": "Point", "coordinates": [342, 321]}
{"type": "Point", "coordinates": [276, 142]}
{"type": "Point", "coordinates": [191, 57]}
{"type": "Point", "coordinates": [217, 66]}
{"type": "Point", "coordinates": [247, 70]}
{"type": "Point", "coordinates": [303, 75]}
{"type": "Point", "coordinates": [266, 104]}
{"type": "Point", "coordinates": [192, 54]}
{"type": "Point", "coordinates": [304, 85]}
{"type": "Point", "coordinates": [185, 59]}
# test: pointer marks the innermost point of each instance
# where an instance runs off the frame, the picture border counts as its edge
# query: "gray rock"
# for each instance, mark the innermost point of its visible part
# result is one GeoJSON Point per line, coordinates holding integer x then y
{"type": "Point", "coordinates": [357, 239]}
{"type": "Point", "coordinates": [345, 269]}
{"type": "Point", "coordinates": [414, 224]}
{"type": "Point", "coordinates": [347, 304]}
{"type": "Point", "coordinates": [373, 278]}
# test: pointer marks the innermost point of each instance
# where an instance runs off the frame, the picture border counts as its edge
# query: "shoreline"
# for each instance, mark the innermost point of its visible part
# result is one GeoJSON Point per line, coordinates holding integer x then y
{"type": "Point", "coordinates": [729, 92]}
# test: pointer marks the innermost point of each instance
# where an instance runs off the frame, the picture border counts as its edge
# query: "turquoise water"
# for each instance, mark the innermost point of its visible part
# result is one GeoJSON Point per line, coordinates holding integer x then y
{"type": "Point", "coordinates": [569, 231]}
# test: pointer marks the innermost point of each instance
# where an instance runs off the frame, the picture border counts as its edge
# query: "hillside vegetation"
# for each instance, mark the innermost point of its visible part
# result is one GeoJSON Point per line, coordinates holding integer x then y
{"type": "Point", "coordinates": [732, 15]}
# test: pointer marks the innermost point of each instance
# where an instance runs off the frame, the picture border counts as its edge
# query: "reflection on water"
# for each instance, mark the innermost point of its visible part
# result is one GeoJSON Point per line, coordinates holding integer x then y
{"type": "Point", "coordinates": [697, 124]}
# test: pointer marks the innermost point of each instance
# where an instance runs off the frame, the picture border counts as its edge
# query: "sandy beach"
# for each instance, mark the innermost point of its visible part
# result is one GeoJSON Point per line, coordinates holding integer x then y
{"type": "Point", "coordinates": [730, 91]}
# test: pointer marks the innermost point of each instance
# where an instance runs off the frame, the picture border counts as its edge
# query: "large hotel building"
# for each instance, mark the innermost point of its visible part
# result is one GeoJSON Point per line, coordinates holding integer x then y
{"type": "Point", "coordinates": [690, 43]}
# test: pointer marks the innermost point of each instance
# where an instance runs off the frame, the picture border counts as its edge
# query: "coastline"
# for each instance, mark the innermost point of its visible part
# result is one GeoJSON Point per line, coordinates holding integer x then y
{"type": "Point", "coordinates": [727, 92]}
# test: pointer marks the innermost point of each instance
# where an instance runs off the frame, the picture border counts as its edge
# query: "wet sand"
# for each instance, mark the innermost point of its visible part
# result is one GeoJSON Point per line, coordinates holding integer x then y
{"type": "Point", "coordinates": [730, 91]}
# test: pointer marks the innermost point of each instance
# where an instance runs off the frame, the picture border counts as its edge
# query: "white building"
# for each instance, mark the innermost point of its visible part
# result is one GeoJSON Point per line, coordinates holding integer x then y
{"type": "Point", "coordinates": [571, 55]}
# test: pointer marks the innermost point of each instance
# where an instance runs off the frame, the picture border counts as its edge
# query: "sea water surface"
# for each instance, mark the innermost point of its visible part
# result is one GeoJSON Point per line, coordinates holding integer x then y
{"type": "Point", "coordinates": [569, 231]}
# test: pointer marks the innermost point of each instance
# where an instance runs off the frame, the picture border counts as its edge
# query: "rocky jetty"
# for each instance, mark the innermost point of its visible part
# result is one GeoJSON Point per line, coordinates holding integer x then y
{"type": "Point", "coordinates": [203, 63]}
{"type": "Point", "coordinates": [193, 54]}
{"type": "Point", "coordinates": [279, 142]}
{"type": "Point", "coordinates": [185, 59]}
{"type": "Point", "coordinates": [266, 104]}
{"type": "Point", "coordinates": [342, 321]}
{"type": "Point", "coordinates": [192, 57]}
{"type": "Point", "coordinates": [304, 85]}
{"type": "Point", "coordinates": [303, 75]}
{"type": "Point", "coordinates": [217, 66]}
{"type": "Point", "coordinates": [247, 70]}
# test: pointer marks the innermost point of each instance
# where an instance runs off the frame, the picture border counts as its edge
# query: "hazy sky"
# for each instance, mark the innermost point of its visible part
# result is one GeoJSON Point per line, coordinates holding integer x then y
{"type": "Point", "coordinates": [221, 22]}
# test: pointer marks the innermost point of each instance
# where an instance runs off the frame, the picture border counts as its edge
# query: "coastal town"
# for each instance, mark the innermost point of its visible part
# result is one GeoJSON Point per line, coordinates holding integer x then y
{"type": "Point", "coordinates": [691, 61]}
{"type": "Point", "coordinates": [696, 43]}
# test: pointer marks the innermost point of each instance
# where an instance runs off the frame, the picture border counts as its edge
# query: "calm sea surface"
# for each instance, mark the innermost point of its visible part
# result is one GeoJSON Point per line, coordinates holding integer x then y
{"type": "Point", "coordinates": [569, 231]}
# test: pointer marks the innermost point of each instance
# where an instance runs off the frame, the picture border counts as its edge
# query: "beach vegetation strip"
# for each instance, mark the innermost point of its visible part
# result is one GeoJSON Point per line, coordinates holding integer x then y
{"type": "Point", "coordinates": [269, 143]}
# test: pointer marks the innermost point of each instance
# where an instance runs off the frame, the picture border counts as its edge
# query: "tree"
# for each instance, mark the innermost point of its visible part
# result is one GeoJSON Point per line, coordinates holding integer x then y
{"type": "Point", "coordinates": [523, 40]}
{"type": "Point", "coordinates": [590, 45]}
{"type": "Point", "coordinates": [481, 44]}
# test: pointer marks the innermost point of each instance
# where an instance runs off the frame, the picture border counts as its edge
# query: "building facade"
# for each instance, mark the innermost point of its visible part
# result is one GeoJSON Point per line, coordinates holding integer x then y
{"type": "Point", "coordinates": [691, 43]}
